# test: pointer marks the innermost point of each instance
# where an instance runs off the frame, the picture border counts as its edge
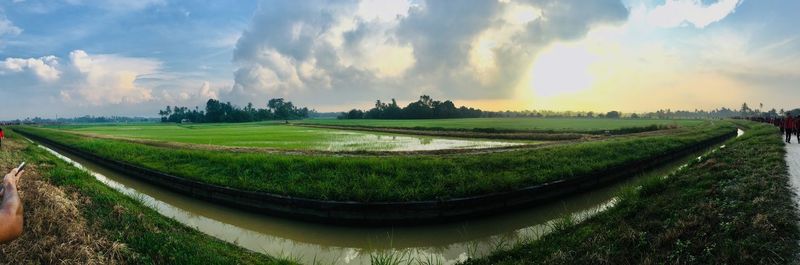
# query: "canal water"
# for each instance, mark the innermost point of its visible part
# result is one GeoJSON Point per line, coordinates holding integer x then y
{"type": "Point", "coordinates": [329, 244]}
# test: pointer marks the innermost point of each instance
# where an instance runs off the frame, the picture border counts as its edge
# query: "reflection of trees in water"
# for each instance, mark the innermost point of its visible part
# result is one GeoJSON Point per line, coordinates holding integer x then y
{"type": "Point", "coordinates": [425, 141]}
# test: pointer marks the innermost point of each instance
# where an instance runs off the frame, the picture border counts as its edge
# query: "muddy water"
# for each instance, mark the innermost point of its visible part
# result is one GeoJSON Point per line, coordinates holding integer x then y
{"type": "Point", "coordinates": [448, 243]}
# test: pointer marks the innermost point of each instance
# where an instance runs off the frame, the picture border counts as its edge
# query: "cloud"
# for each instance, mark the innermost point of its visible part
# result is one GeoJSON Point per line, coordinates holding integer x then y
{"type": "Point", "coordinates": [111, 79]}
{"type": "Point", "coordinates": [674, 13]}
{"type": "Point", "coordinates": [206, 92]}
{"type": "Point", "coordinates": [44, 68]}
{"type": "Point", "coordinates": [85, 79]}
{"type": "Point", "coordinates": [328, 52]}
{"type": "Point", "coordinates": [7, 28]}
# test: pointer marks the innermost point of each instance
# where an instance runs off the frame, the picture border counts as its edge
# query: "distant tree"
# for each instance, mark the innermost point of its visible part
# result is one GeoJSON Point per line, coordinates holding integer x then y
{"type": "Point", "coordinates": [745, 110]}
{"type": "Point", "coordinates": [216, 111]}
{"type": "Point", "coordinates": [352, 114]}
{"type": "Point", "coordinates": [613, 115]}
{"type": "Point", "coordinates": [424, 108]}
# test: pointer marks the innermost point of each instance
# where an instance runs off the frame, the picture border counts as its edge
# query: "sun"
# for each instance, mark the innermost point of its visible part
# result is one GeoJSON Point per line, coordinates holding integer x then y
{"type": "Point", "coordinates": [562, 69]}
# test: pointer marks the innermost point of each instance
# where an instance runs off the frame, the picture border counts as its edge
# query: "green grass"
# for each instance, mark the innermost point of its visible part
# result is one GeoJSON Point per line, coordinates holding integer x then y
{"type": "Point", "coordinates": [513, 124]}
{"type": "Point", "coordinates": [734, 207]}
{"type": "Point", "coordinates": [391, 178]}
{"type": "Point", "coordinates": [275, 135]}
{"type": "Point", "coordinates": [150, 237]}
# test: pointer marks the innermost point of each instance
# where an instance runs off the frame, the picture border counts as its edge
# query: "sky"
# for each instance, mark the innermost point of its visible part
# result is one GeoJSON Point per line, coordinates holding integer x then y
{"type": "Point", "coordinates": [66, 58]}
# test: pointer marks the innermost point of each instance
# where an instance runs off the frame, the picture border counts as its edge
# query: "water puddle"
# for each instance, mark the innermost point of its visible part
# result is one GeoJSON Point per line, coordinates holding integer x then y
{"type": "Point", "coordinates": [351, 141]}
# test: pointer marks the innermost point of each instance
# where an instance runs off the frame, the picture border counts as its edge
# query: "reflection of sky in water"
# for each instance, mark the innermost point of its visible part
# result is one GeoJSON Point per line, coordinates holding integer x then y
{"type": "Point", "coordinates": [448, 243]}
{"type": "Point", "coordinates": [352, 141]}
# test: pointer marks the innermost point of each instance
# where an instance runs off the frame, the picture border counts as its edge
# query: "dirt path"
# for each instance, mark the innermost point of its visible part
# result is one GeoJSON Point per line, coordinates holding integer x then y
{"type": "Point", "coordinates": [793, 160]}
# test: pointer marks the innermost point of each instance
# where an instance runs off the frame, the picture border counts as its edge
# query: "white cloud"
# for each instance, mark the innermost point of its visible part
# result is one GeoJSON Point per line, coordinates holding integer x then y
{"type": "Point", "coordinates": [111, 79]}
{"type": "Point", "coordinates": [7, 28]}
{"type": "Point", "coordinates": [674, 13]}
{"type": "Point", "coordinates": [206, 92]}
{"type": "Point", "coordinates": [384, 10]}
{"type": "Point", "coordinates": [44, 68]}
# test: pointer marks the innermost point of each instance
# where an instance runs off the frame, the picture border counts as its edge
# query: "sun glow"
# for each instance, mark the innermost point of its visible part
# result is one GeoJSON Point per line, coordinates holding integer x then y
{"type": "Point", "coordinates": [562, 69]}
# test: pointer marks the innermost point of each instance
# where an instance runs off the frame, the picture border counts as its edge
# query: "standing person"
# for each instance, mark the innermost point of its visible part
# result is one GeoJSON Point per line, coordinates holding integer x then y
{"type": "Point", "coordinates": [1, 137]}
{"type": "Point", "coordinates": [789, 124]}
{"type": "Point", "coordinates": [11, 208]}
{"type": "Point", "coordinates": [781, 124]}
{"type": "Point", "coordinates": [797, 128]}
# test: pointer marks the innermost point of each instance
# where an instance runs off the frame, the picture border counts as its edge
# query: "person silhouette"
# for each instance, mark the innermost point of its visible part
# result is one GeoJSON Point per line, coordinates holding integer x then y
{"type": "Point", "coordinates": [789, 127]}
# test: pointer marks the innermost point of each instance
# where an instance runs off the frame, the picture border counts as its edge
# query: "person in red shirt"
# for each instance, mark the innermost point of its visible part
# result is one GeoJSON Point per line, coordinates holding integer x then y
{"type": "Point", "coordinates": [1, 137]}
{"type": "Point", "coordinates": [797, 128]}
{"type": "Point", "coordinates": [789, 127]}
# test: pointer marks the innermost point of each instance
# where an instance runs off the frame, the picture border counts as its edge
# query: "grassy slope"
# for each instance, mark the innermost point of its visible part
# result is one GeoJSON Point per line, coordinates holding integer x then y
{"type": "Point", "coordinates": [390, 178]}
{"type": "Point", "coordinates": [265, 135]}
{"type": "Point", "coordinates": [735, 207]}
{"type": "Point", "coordinates": [518, 124]}
{"type": "Point", "coordinates": [150, 237]}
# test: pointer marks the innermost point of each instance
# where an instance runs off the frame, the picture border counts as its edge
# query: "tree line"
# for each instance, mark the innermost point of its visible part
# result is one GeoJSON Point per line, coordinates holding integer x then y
{"type": "Point", "coordinates": [428, 108]}
{"type": "Point", "coordinates": [424, 108]}
{"type": "Point", "coordinates": [216, 111]}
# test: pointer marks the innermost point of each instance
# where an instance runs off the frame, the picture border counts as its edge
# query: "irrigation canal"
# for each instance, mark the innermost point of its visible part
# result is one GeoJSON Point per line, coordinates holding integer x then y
{"type": "Point", "coordinates": [328, 244]}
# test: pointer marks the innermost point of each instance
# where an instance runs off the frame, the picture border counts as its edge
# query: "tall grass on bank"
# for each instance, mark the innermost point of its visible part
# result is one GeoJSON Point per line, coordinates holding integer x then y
{"type": "Point", "coordinates": [149, 237]}
{"type": "Point", "coordinates": [733, 207]}
{"type": "Point", "coordinates": [391, 178]}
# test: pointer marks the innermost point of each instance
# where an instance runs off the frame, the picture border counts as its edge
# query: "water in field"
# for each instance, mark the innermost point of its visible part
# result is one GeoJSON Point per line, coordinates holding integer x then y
{"type": "Point", "coordinates": [326, 244]}
{"type": "Point", "coordinates": [353, 141]}
{"type": "Point", "coordinates": [290, 137]}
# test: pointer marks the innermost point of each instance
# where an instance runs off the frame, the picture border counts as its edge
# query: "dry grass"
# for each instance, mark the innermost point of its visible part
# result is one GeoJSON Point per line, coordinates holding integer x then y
{"type": "Point", "coordinates": [55, 231]}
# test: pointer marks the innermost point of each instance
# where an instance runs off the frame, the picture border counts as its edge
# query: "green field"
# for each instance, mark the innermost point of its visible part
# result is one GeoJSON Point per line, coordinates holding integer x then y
{"type": "Point", "coordinates": [391, 178]}
{"type": "Point", "coordinates": [280, 136]}
{"type": "Point", "coordinates": [516, 124]}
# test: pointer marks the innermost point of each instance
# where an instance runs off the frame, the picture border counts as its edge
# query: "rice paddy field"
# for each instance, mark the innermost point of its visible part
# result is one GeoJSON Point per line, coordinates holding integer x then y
{"type": "Point", "coordinates": [513, 124]}
{"type": "Point", "coordinates": [287, 137]}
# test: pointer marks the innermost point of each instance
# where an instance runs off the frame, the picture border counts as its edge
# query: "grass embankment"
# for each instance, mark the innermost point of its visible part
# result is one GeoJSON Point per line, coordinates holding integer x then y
{"type": "Point", "coordinates": [541, 125]}
{"type": "Point", "coordinates": [734, 207]}
{"type": "Point", "coordinates": [72, 218]}
{"type": "Point", "coordinates": [391, 178]}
